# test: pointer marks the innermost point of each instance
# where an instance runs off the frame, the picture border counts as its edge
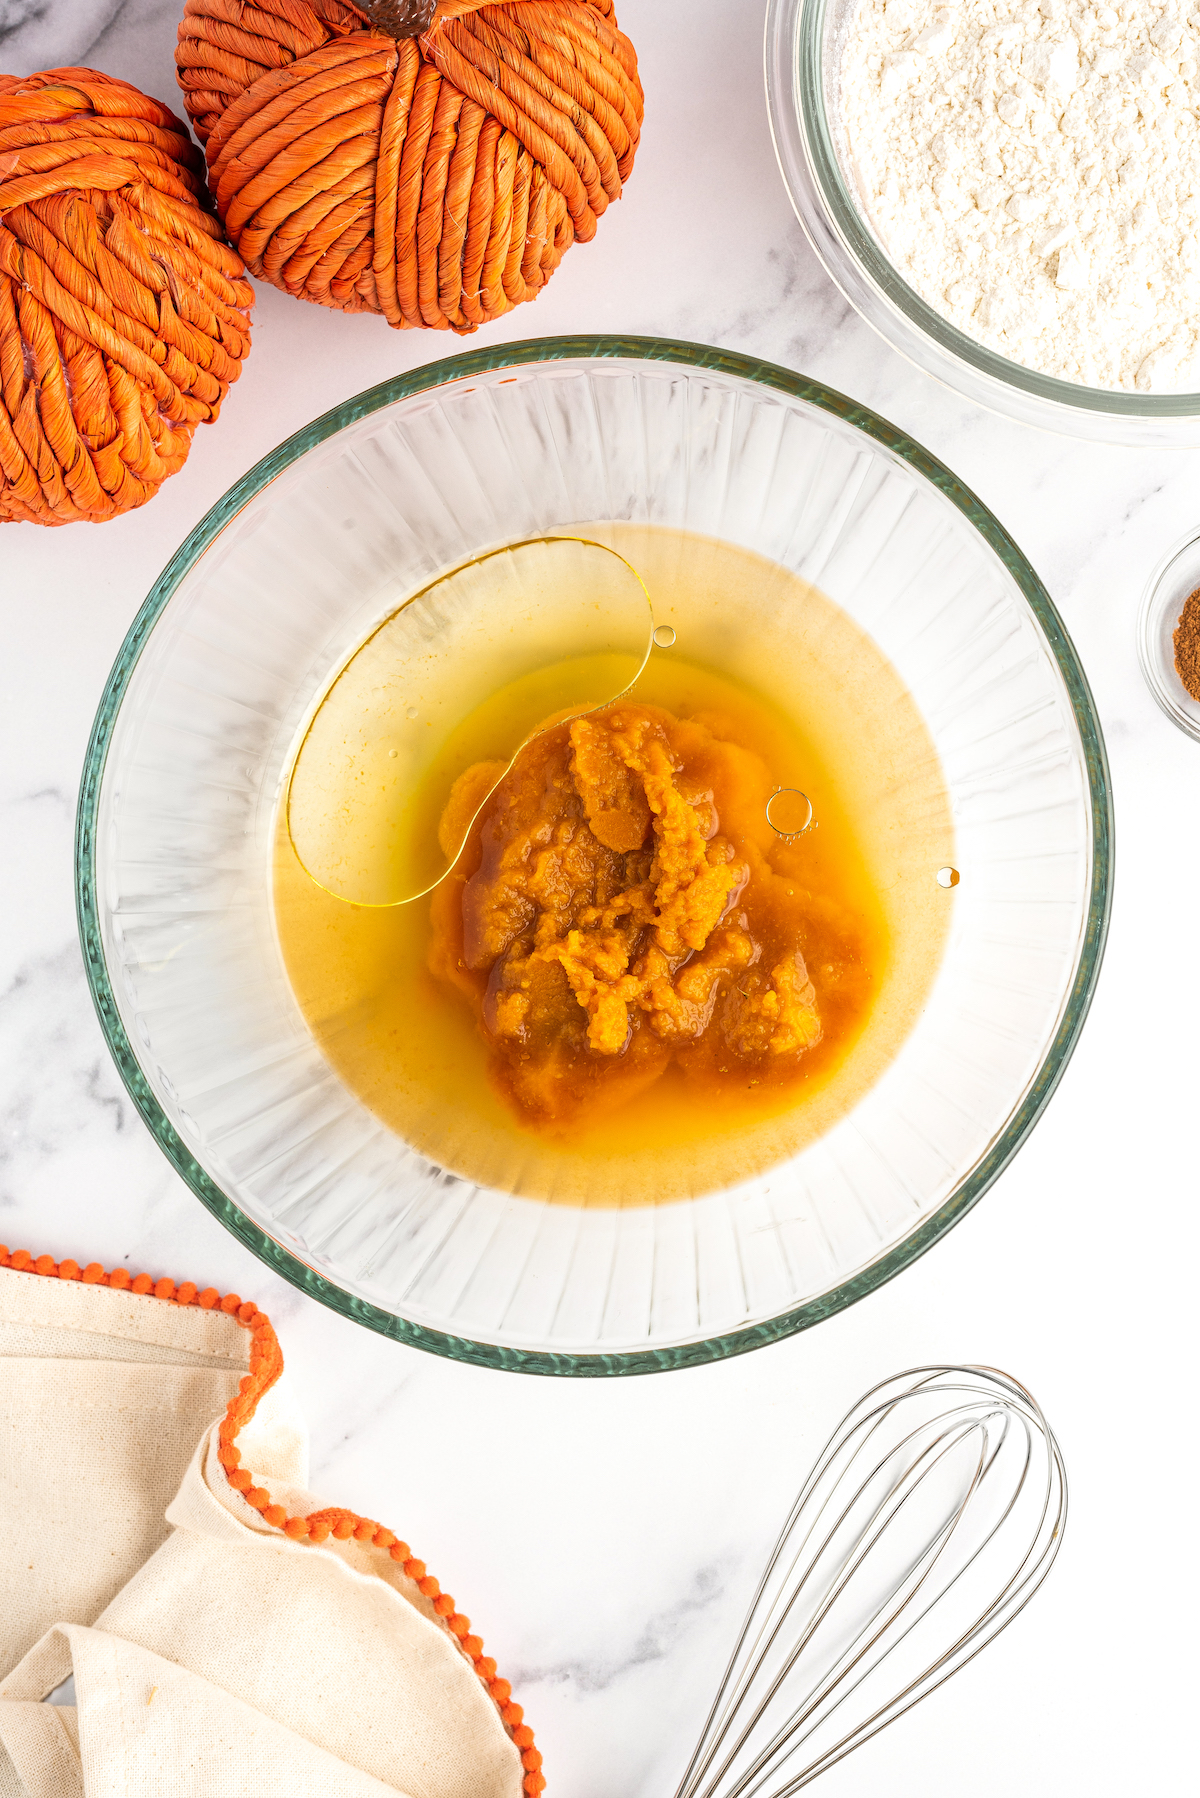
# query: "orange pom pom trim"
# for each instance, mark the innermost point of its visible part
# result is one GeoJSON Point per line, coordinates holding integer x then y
{"type": "Point", "coordinates": [436, 179]}
{"type": "Point", "coordinates": [124, 315]}
{"type": "Point", "coordinates": [266, 1365]}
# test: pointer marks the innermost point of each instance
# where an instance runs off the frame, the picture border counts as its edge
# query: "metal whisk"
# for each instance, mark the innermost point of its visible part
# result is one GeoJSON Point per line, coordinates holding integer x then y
{"type": "Point", "coordinates": [931, 1518]}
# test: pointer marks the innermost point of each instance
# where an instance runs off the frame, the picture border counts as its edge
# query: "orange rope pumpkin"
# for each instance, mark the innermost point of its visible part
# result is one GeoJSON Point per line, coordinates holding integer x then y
{"type": "Point", "coordinates": [438, 179]}
{"type": "Point", "coordinates": [123, 314]}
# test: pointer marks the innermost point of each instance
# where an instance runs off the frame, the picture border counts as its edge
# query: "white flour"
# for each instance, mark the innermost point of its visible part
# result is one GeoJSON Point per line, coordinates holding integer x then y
{"type": "Point", "coordinates": [1034, 172]}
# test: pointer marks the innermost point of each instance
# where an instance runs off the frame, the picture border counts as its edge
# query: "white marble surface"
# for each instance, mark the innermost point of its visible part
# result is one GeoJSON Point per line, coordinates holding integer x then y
{"type": "Point", "coordinates": [605, 1535]}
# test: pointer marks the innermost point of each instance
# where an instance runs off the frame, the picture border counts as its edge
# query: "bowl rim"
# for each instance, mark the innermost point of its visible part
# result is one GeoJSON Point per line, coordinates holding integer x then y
{"type": "Point", "coordinates": [422, 380]}
{"type": "Point", "coordinates": [836, 226]}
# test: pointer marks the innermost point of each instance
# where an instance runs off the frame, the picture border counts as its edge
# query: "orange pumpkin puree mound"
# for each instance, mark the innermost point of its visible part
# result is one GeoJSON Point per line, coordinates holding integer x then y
{"type": "Point", "coordinates": [618, 909]}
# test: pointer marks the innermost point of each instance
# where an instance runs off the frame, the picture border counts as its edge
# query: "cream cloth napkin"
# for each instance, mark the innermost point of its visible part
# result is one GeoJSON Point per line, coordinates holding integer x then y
{"type": "Point", "coordinates": [207, 1647]}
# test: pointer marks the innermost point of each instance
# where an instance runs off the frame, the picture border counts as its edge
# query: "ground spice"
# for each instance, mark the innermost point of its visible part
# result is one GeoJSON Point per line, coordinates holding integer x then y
{"type": "Point", "coordinates": [1187, 644]}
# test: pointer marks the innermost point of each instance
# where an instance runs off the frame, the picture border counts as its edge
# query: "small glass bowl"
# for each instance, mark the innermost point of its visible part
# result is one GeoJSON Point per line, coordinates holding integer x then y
{"type": "Point", "coordinates": [1177, 575]}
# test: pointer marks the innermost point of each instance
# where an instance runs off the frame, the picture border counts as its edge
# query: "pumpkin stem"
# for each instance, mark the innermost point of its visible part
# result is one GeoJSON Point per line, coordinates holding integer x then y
{"type": "Point", "coordinates": [399, 18]}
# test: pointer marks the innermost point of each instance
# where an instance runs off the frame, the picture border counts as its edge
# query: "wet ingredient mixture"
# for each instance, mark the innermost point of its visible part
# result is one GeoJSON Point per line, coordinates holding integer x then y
{"type": "Point", "coordinates": [804, 699]}
{"type": "Point", "coordinates": [623, 906]}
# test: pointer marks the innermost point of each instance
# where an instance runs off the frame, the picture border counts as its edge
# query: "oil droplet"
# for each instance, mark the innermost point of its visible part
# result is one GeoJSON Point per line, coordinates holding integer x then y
{"type": "Point", "coordinates": [789, 811]}
{"type": "Point", "coordinates": [412, 713]}
{"type": "Point", "coordinates": [948, 877]}
{"type": "Point", "coordinates": [664, 635]}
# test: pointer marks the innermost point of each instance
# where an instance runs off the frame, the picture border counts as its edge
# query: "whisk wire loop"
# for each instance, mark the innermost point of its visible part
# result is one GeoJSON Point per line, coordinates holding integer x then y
{"type": "Point", "coordinates": [909, 1584]}
{"type": "Point", "coordinates": [752, 1656]}
{"type": "Point", "coordinates": [933, 1514]}
{"type": "Point", "coordinates": [848, 1658]}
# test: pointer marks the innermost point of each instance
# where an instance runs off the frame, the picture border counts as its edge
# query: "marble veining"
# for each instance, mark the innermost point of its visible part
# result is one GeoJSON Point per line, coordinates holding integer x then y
{"type": "Point", "coordinates": [605, 1537]}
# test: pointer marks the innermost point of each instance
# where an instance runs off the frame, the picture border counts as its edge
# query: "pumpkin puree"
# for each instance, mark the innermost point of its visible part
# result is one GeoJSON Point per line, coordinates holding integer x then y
{"type": "Point", "coordinates": [616, 910]}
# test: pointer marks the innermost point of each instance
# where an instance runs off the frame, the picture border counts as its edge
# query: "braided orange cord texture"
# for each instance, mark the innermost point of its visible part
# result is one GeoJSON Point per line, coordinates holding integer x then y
{"type": "Point", "coordinates": [123, 313]}
{"type": "Point", "coordinates": [437, 180]}
{"type": "Point", "coordinates": [266, 1365]}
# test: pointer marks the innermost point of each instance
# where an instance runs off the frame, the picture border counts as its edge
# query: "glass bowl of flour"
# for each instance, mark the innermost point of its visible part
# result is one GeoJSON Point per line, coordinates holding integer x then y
{"type": "Point", "coordinates": [1009, 192]}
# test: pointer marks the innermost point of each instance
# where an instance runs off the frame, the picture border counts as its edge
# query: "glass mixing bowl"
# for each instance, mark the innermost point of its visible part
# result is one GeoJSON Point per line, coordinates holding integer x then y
{"type": "Point", "coordinates": [283, 579]}
{"type": "Point", "coordinates": [803, 51]}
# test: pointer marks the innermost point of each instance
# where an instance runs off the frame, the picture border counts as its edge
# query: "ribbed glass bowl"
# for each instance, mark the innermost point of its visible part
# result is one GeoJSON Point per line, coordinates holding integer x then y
{"type": "Point", "coordinates": [286, 576]}
{"type": "Point", "coordinates": [802, 54]}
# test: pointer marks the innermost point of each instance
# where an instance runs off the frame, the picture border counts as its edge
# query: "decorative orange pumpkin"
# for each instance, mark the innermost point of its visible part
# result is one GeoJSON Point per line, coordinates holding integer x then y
{"type": "Point", "coordinates": [124, 315]}
{"type": "Point", "coordinates": [430, 164]}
